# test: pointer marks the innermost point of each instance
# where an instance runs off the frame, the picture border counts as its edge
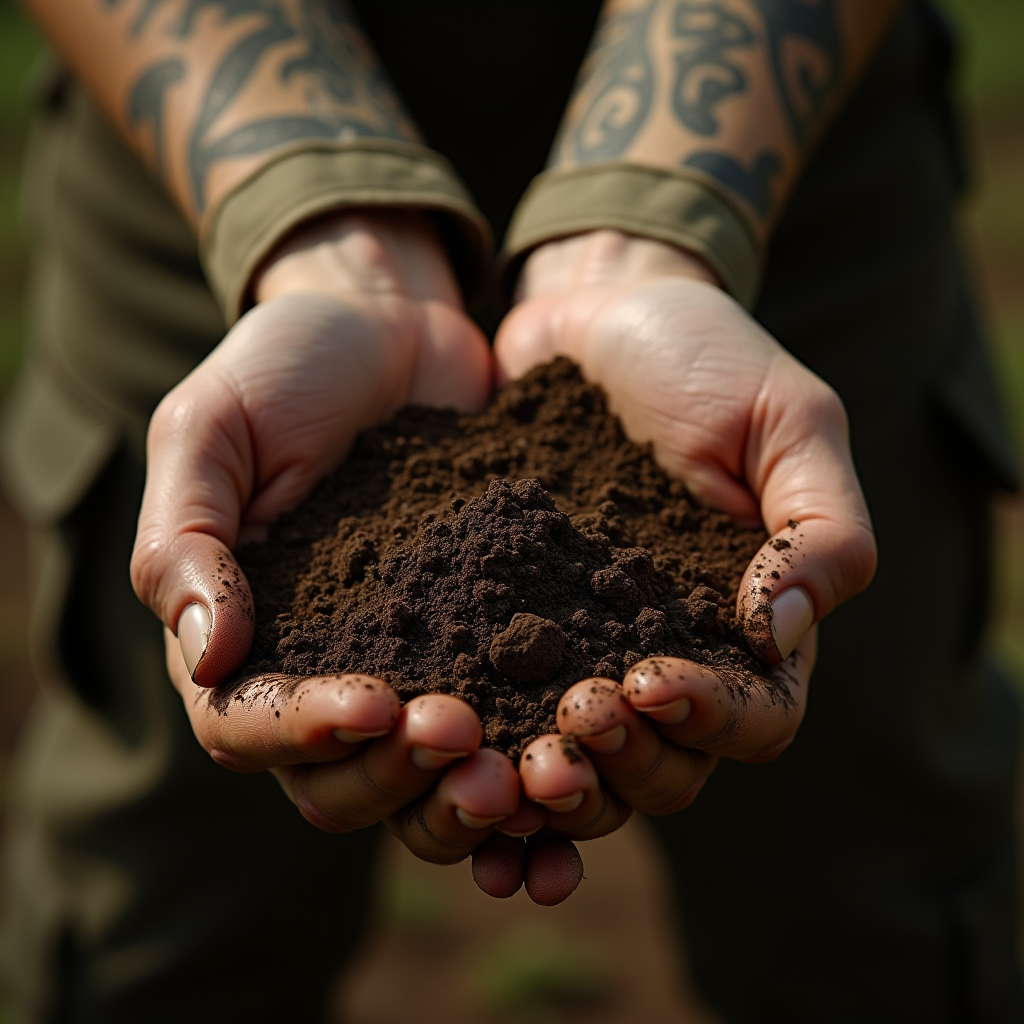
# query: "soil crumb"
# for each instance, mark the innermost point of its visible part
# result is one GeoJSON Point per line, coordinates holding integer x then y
{"type": "Point", "coordinates": [499, 557]}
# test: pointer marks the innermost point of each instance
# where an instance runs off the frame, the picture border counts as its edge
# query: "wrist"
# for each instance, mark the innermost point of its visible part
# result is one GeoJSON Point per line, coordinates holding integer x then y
{"type": "Point", "coordinates": [607, 258]}
{"type": "Point", "coordinates": [356, 253]}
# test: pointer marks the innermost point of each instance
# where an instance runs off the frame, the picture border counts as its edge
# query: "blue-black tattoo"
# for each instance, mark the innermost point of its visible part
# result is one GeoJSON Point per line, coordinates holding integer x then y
{"type": "Point", "coordinates": [754, 184]}
{"type": "Point", "coordinates": [146, 103]}
{"type": "Point", "coordinates": [704, 73]}
{"type": "Point", "coordinates": [623, 87]}
{"type": "Point", "coordinates": [807, 59]}
{"type": "Point", "coordinates": [345, 98]}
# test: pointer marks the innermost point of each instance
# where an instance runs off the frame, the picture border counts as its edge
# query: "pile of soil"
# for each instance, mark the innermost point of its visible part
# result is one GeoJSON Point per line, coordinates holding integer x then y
{"type": "Point", "coordinates": [499, 557]}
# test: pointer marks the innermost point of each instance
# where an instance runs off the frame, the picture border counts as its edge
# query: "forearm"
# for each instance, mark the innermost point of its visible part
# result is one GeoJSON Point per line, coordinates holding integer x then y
{"type": "Point", "coordinates": [208, 91]}
{"type": "Point", "coordinates": [737, 90]}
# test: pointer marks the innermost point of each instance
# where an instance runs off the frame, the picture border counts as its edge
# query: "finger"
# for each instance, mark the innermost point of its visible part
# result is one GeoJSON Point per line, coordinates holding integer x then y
{"type": "Point", "coordinates": [822, 549]}
{"type": "Point", "coordinates": [272, 720]}
{"type": "Point", "coordinates": [640, 766]}
{"type": "Point", "coordinates": [740, 715]}
{"type": "Point", "coordinates": [385, 775]}
{"type": "Point", "coordinates": [447, 824]}
{"type": "Point", "coordinates": [554, 868]}
{"type": "Point", "coordinates": [557, 775]}
{"type": "Point", "coordinates": [499, 865]}
{"type": "Point", "coordinates": [529, 818]}
{"type": "Point", "coordinates": [526, 338]}
{"type": "Point", "coordinates": [453, 361]}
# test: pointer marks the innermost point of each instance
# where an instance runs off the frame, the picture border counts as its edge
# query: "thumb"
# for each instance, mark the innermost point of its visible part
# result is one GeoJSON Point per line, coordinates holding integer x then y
{"type": "Point", "coordinates": [534, 332]}
{"type": "Point", "coordinates": [199, 476]}
{"type": "Point", "coordinates": [822, 549]}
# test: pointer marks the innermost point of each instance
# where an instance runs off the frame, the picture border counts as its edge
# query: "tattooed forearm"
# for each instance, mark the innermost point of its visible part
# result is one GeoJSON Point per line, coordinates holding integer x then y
{"type": "Point", "coordinates": [208, 90]}
{"type": "Point", "coordinates": [736, 89]}
{"type": "Point", "coordinates": [146, 103]}
{"type": "Point", "coordinates": [806, 55]}
{"type": "Point", "coordinates": [620, 78]}
{"type": "Point", "coordinates": [706, 71]}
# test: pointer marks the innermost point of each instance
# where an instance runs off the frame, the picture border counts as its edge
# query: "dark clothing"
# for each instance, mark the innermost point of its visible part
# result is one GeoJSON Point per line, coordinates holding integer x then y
{"type": "Point", "coordinates": [868, 874]}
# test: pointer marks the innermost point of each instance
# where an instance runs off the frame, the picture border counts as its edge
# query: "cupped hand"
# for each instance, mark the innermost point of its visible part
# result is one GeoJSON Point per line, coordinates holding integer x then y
{"type": "Point", "coordinates": [357, 316]}
{"type": "Point", "coordinates": [750, 431]}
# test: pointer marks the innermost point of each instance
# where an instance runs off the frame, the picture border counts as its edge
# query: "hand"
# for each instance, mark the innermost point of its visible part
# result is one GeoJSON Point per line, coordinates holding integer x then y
{"type": "Point", "coordinates": [750, 431]}
{"type": "Point", "coordinates": [356, 316]}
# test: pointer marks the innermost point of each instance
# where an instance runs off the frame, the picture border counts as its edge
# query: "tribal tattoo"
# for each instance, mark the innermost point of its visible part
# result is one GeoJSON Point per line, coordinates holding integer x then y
{"type": "Point", "coordinates": [233, 80]}
{"type": "Point", "coordinates": [622, 85]}
{"type": "Point", "coordinates": [738, 90]}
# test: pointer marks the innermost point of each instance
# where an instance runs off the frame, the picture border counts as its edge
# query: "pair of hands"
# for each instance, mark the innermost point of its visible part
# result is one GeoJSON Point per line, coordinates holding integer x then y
{"type": "Point", "coordinates": [358, 315]}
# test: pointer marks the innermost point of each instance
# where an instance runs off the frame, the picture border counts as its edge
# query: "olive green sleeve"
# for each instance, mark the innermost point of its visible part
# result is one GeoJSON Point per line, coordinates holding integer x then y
{"type": "Point", "coordinates": [302, 183]}
{"type": "Point", "coordinates": [682, 207]}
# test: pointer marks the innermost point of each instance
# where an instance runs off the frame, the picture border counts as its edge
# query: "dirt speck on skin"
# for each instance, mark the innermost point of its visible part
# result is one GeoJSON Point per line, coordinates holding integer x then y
{"type": "Point", "coordinates": [499, 557]}
{"type": "Point", "coordinates": [570, 749]}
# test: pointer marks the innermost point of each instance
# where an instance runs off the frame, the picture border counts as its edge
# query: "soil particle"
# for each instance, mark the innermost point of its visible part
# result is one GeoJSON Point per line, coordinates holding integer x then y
{"type": "Point", "coordinates": [530, 650]}
{"type": "Point", "coordinates": [499, 557]}
{"type": "Point", "coordinates": [570, 749]}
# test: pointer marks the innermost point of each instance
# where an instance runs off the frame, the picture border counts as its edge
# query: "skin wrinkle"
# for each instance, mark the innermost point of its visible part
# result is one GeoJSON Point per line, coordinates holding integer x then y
{"type": "Point", "coordinates": [384, 795]}
{"type": "Point", "coordinates": [683, 801]}
{"type": "Point", "coordinates": [653, 769]}
{"type": "Point", "coordinates": [279, 731]}
{"type": "Point", "coordinates": [586, 830]}
{"type": "Point", "coordinates": [730, 729]}
{"type": "Point", "coordinates": [309, 809]}
{"type": "Point", "coordinates": [246, 483]}
{"type": "Point", "coordinates": [419, 816]}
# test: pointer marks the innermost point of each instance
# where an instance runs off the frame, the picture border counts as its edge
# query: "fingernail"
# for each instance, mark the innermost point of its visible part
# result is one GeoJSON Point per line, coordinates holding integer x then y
{"type": "Point", "coordinates": [429, 760]}
{"type": "Point", "coordinates": [673, 713]}
{"type": "Point", "coordinates": [472, 821]}
{"type": "Point", "coordinates": [513, 834]}
{"type": "Point", "coordinates": [194, 634]}
{"type": "Point", "coordinates": [610, 742]}
{"type": "Point", "coordinates": [792, 615]}
{"type": "Point", "coordinates": [563, 804]}
{"type": "Point", "coordinates": [351, 736]}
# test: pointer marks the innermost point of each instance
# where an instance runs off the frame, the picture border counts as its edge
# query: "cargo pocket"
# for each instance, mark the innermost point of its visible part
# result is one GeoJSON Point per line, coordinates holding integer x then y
{"type": "Point", "coordinates": [52, 451]}
{"type": "Point", "coordinates": [51, 448]}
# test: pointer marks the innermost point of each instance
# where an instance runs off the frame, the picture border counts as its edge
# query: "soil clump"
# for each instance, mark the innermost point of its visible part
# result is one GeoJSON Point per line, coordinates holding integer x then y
{"type": "Point", "coordinates": [500, 557]}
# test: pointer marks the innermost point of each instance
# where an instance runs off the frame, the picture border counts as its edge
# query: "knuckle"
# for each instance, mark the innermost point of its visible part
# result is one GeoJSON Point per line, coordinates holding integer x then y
{"type": "Point", "coordinates": [418, 836]}
{"type": "Point", "coordinates": [825, 405]}
{"type": "Point", "coordinates": [771, 751]}
{"type": "Point", "coordinates": [312, 809]}
{"type": "Point", "coordinates": [678, 801]}
{"type": "Point", "coordinates": [230, 760]}
{"type": "Point", "coordinates": [143, 566]}
{"type": "Point", "coordinates": [861, 557]}
{"type": "Point", "coordinates": [167, 418]}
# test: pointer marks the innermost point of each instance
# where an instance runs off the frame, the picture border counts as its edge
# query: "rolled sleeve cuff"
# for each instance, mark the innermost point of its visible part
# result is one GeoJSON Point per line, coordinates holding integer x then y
{"type": "Point", "coordinates": [298, 185]}
{"type": "Point", "coordinates": [681, 207]}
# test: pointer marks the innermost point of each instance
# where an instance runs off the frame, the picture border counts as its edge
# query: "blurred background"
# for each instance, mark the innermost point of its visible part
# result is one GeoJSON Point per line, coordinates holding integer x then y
{"type": "Point", "coordinates": [467, 957]}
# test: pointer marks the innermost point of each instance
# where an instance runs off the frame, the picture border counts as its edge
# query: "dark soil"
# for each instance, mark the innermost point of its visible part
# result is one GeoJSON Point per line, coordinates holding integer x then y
{"type": "Point", "coordinates": [500, 557]}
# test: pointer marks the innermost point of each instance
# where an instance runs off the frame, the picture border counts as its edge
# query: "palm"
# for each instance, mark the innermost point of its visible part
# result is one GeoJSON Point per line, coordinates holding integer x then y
{"type": "Point", "coordinates": [683, 367]}
{"type": "Point", "coordinates": [306, 373]}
